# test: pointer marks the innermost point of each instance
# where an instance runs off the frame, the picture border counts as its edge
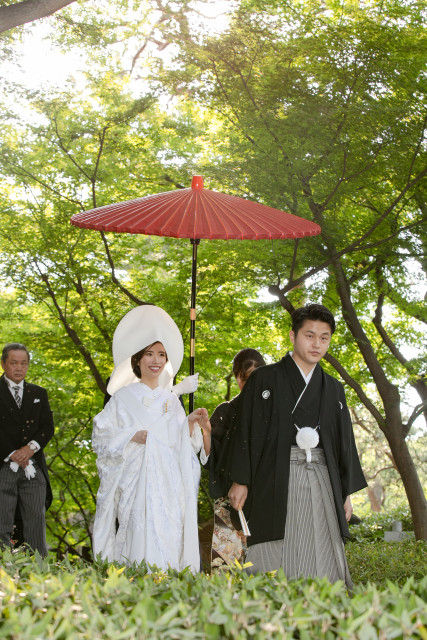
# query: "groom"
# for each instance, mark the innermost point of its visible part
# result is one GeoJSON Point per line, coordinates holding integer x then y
{"type": "Point", "coordinates": [285, 508]}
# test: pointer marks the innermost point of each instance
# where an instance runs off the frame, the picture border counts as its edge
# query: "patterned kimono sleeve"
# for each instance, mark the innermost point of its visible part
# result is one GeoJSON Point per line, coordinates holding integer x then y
{"type": "Point", "coordinates": [113, 429]}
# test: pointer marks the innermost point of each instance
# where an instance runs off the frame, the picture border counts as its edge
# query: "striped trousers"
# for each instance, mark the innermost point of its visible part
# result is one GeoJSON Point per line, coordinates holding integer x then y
{"type": "Point", "coordinates": [30, 495]}
{"type": "Point", "coordinates": [312, 545]}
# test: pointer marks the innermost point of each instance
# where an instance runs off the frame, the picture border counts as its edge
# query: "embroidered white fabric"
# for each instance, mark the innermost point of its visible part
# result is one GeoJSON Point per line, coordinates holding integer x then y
{"type": "Point", "coordinates": [151, 489]}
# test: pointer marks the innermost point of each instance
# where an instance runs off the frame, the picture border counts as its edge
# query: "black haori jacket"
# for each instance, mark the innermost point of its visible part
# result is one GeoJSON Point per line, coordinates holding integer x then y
{"type": "Point", "coordinates": [32, 421]}
{"type": "Point", "coordinates": [257, 448]}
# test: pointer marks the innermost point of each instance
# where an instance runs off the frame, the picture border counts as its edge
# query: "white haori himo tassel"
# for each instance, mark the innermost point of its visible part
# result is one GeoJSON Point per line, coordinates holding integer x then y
{"type": "Point", "coordinates": [29, 470]}
{"type": "Point", "coordinates": [307, 439]}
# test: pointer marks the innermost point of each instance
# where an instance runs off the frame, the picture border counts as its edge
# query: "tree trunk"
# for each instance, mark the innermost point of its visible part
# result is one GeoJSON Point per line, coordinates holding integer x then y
{"type": "Point", "coordinates": [412, 484]}
{"type": "Point", "coordinates": [376, 496]}
{"type": "Point", "coordinates": [20, 13]}
{"type": "Point", "coordinates": [393, 427]}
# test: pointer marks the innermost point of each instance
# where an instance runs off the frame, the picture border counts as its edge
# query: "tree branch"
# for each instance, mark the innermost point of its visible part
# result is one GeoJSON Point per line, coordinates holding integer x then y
{"type": "Point", "coordinates": [294, 259]}
{"type": "Point", "coordinates": [419, 409]}
{"type": "Point", "coordinates": [74, 336]}
{"type": "Point", "coordinates": [98, 160]}
{"type": "Point", "coordinates": [377, 473]}
{"type": "Point", "coordinates": [22, 172]}
{"type": "Point", "coordinates": [20, 13]}
{"type": "Point", "coordinates": [357, 244]}
{"type": "Point", "coordinates": [113, 273]}
{"type": "Point", "coordinates": [67, 153]}
{"type": "Point", "coordinates": [377, 322]}
{"type": "Point", "coordinates": [357, 389]}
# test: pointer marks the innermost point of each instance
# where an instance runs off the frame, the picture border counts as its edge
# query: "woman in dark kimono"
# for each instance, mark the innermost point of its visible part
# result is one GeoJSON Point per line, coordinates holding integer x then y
{"type": "Point", "coordinates": [228, 542]}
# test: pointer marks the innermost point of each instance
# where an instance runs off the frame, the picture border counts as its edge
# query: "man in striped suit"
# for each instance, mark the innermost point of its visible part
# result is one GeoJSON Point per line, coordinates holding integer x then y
{"type": "Point", "coordinates": [26, 426]}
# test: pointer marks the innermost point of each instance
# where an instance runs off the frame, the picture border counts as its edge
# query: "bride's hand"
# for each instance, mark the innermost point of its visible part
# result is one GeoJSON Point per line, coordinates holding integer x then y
{"type": "Point", "coordinates": [202, 417]}
{"type": "Point", "coordinates": [140, 437]}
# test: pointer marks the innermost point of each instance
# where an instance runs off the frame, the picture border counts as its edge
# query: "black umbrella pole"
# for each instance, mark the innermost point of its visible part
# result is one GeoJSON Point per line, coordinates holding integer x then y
{"type": "Point", "coordinates": [195, 242]}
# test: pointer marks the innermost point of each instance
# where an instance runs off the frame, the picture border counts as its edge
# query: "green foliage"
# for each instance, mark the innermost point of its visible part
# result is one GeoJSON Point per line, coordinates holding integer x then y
{"type": "Point", "coordinates": [63, 600]}
{"type": "Point", "coordinates": [321, 107]}
{"type": "Point", "coordinates": [314, 108]}
{"type": "Point", "coordinates": [382, 562]}
{"type": "Point", "coordinates": [372, 560]}
{"type": "Point", "coordinates": [372, 527]}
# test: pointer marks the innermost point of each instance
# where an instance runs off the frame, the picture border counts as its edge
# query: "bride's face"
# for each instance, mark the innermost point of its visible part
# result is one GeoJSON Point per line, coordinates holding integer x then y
{"type": "Point", "coordinates": [152, 363]}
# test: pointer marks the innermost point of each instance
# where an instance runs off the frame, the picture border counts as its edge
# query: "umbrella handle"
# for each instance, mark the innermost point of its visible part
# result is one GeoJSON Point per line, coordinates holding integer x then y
{"type": "Point", "coordinates": [195, 242]}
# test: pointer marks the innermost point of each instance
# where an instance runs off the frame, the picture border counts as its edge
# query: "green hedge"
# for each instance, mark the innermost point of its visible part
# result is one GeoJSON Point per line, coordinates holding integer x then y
{"type": "Point", "coordinates": [380, 562]}
{"type": "Point", "coordinates": [64, 601]}
{"type": "Point", "coordinates": [371, 559]}
{"type": "Point", "coordinates": [373, 527]}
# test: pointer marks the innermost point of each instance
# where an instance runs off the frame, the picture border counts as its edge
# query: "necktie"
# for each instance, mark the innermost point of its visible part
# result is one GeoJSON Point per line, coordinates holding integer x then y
{"type": "Point", "coordinates": [17, 396]}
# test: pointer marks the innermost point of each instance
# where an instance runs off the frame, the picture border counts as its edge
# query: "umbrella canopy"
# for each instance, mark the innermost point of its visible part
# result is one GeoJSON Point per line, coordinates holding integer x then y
{"type": "Point", "coordinates": [196, 213]}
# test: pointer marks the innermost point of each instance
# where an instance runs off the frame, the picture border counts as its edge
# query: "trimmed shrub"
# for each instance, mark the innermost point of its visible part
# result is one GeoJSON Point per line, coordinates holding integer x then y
{"type": "Point", "coordinates": [371, 559]}
{"type": "Point", "coordinates": [64, 601]}
{"type": "Point", "coordinates": [372, 528]}
{"type": "Point", "coordinates": [381, 562]}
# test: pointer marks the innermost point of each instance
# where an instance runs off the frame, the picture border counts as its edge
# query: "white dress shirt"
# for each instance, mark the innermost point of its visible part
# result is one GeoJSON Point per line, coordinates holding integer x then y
{"type": "Point", "coordinates": [33, 444]}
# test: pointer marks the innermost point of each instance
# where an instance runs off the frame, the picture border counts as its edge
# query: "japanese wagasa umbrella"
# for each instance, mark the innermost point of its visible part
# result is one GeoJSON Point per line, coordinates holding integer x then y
{"type": "Point", "coordinates": [196, 213]}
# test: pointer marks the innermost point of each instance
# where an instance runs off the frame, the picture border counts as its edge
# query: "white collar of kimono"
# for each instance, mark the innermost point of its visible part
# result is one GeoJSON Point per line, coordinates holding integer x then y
{"type": "Point", "coordinates": [307, 377]}
{"type": "Point", "coordinates": [139, 328]}
{"type": "Point", "coordinates": [143, 388]}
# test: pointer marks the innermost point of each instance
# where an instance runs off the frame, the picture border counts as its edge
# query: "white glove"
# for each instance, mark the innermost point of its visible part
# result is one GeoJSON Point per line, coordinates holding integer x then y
{"type": "Point", "coordinates": [29, 470]}
{"type": "Point", "coordinates": [188, 385]}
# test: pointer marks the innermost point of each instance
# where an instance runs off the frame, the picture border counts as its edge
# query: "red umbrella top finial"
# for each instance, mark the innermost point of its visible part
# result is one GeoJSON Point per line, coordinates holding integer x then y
{"type": "Point", "coordinates": [197, 182]}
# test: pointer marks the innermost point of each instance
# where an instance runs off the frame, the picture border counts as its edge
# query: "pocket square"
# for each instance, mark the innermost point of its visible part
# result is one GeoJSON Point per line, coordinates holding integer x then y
{"type": "Point", "coordinates": [36, 400]}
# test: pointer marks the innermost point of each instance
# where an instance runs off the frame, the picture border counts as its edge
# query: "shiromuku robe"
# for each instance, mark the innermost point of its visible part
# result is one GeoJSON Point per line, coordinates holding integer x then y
{"type": "Point", "coordinates": [257, 448]}
{"type": "Point", "coordinates": [147, 499]}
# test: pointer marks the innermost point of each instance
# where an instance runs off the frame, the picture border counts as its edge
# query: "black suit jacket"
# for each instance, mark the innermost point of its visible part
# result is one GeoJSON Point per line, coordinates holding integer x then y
{"type": "Point", "coordinates": [32, 421]}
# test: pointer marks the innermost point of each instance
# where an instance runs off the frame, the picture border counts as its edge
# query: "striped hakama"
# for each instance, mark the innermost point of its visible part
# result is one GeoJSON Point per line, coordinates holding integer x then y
{"type": "Point", "coordinates": [312, 544]}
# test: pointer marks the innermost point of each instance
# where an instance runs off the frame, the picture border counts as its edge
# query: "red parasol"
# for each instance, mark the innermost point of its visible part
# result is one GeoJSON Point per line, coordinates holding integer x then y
{"type": "Point", "coordinates": [196, 213]}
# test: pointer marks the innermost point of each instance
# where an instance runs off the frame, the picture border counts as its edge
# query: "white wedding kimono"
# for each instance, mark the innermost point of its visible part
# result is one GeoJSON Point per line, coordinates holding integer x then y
{"type": "Point", "coordinates": [148, 490]}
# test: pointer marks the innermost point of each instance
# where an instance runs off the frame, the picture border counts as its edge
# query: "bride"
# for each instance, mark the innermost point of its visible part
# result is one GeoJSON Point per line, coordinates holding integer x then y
{"type": "Point", "coordinates": [146, 448]}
